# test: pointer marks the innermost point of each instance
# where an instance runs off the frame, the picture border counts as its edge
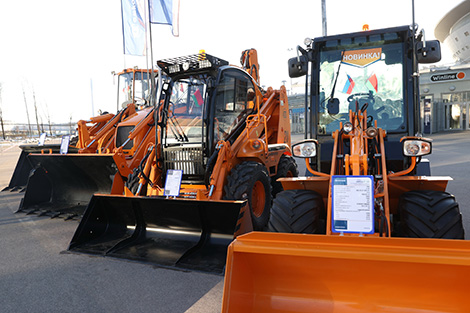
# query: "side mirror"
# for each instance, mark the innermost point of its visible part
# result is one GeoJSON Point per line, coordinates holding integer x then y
{"type": "Point", "coordinates": [428, 51]}
{"type": "Point", "coordinates": [296, 68]}
{"type": "Point", "coordinates": [416, 146]}
{"type": "Point", "coordinates": [333, 106]}
{"type": "Point", "coordinates": [305, 149]}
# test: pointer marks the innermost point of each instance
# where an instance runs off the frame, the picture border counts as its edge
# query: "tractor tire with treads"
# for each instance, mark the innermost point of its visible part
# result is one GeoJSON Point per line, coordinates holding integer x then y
{"type": "Point", "coordinates": [250, 181]}
{"type": "Point", "coordinates": [430, 214]}
{"type": "Point", "coordinates": [287, 168]}
{"type": "Point", "coordinates": [297, 211]}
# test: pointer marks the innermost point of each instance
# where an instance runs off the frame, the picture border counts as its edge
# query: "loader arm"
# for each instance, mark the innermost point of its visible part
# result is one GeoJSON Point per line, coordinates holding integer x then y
{"type": "Point", "coordinates": [91, 146]}
{"type": "Point", "coordinates": [85, 133]}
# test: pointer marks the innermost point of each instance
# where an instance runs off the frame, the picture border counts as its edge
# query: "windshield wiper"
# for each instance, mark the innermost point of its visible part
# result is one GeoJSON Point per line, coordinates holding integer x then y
{"type": "Point", "coordinates": [333, 103]}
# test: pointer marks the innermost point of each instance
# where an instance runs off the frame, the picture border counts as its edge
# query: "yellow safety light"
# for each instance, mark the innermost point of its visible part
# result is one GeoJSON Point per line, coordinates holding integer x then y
{"type": "Point", "coordinates": [365, 27]}
{"type": "Point", "coordinates": [202, 55]}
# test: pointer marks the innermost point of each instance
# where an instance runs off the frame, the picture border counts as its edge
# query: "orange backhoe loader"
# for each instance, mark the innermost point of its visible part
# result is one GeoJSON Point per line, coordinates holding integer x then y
{"type": "Point", "coordinates": [62, 184]}
{"type": "Point", "coordinates": [370, 230]}
{"type": "Point", "coordinates": [222, 141]}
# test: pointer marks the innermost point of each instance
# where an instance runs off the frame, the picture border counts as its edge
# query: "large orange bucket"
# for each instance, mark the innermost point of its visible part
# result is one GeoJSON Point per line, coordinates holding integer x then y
{"type": "Point", "coordinates": [274, 272]}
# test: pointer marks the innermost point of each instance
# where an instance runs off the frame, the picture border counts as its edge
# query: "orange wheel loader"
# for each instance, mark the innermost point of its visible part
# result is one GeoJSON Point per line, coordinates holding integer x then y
{"type": "Point", "coordinates": [108, 147]}
{"type": "Point", "coordinates": [370, 230]}
{"type": "Point", "coordinates": [222, 143]}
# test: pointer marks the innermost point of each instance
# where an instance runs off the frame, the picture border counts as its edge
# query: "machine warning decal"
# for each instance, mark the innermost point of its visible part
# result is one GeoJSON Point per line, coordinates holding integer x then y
{"type": "Point", "coordinates": [362, 58]}
{"type": "Point", "coordinates": [353, 204]}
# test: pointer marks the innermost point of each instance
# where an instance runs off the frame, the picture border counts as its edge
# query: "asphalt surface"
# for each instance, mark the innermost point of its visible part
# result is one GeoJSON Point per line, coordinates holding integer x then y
{"type": "Point", "coordinates": [38, 275]}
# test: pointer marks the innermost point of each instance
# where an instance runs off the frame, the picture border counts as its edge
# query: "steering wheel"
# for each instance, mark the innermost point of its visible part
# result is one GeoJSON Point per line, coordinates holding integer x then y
{"type": "Point", "coordinates": [352, 97]}
{"type": "Point", "coordinates": [140, 101]}
{"type": "Point", "coordinates": [361, 101]}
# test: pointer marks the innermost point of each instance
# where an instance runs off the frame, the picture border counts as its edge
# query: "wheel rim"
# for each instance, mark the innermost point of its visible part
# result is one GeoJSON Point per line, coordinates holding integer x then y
{"type": "Point", "coordinates": [258, 199]}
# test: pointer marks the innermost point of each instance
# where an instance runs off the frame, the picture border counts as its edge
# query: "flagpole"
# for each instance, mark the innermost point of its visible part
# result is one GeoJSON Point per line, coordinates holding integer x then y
{"type": "Point", "coordinates": [149, 71]}
{"type": "Point", "coordinates": [155, 99]}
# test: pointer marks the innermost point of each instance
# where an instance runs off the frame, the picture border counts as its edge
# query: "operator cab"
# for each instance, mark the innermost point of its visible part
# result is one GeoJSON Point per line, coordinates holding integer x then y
{"type": "Point", "coordinates": [370, 70]}
{"type": "Point", "coordinates": [205, 101]}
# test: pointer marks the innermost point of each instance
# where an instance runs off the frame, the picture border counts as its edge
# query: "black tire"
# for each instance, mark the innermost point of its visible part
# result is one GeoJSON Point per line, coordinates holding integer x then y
{"type": "Point", "coordinates": [430, 214]}
{"type": "Point", "coordinates": [297, 211]}
{"type": "Point", "coordinates": [241, 183]}
{"type": "Point", "coordinates": [287, 168]}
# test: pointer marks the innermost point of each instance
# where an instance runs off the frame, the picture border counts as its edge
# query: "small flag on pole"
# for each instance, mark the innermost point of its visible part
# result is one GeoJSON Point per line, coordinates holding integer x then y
{"type": "Point", "coordinates": [197, 98]}
{"type": "Point", "coordinates": [133, 26]}
{"type": "Point", "coordinates": [165, 12]}
{"type": "Point", "coordinates": [372, 80]}
{"type": "Point", "coordinates": [349, 86]}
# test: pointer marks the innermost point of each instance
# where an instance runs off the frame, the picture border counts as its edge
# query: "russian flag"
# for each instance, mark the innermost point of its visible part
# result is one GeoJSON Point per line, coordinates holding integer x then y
{"type": "Point", "coordinates": [165, 12]}
{"type": "Point", "coordinates": [349, 86]}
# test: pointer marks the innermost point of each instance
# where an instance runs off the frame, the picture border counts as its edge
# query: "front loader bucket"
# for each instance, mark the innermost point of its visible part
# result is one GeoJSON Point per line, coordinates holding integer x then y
{"type": "Point", "coordinates": [63, 184]}
{"type": "Point", "coordinates": [180, 233]}
{"type": "Point", "coordinates": [274, 272]}
{"type": "Point", "coordinates": [23, 167]}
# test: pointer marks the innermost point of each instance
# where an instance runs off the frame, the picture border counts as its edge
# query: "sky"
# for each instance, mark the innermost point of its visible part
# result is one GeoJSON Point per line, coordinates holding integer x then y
{"type": "Point", "coordinates": [64, 51]}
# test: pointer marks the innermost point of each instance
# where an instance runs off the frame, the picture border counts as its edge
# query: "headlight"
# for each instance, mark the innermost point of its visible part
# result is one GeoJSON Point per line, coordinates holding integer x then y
{"type": "Point", "coordinates": [305, 149]}
{"type": "Point", "coordinates": [372, 132]}
{"type": "Point", "coordinates": [348, 127]}
{"type": "Point", "coordinates": [416, 147]}
{"type": "Point", "coordinates": [308, 41]}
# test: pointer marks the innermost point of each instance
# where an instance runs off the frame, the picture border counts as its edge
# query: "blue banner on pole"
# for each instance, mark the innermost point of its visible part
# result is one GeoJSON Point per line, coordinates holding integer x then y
{"type": "Point", "coordinates": [133, 26]}
{"type": "Point", "coordinates": [165, 12]}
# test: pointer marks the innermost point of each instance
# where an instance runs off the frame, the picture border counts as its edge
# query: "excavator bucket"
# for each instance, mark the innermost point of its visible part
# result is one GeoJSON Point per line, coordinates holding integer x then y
{"type": "Point", "coordinates": [62, 185]}
{"type": "Point", "coordinates": [275, 272]}
{"type": "Point", "coordinates": [178, 233]}
{"type": "Point", "coordinates": [23, 167]}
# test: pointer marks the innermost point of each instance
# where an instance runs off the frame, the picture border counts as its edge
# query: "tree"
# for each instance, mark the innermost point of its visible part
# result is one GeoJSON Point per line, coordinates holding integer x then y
{"type": "Point", "coordinates": [27, 112]}
{"type": "Point", "coordinates": [36, 112]}
{"type": "Point", "coordinates": [1, 113]}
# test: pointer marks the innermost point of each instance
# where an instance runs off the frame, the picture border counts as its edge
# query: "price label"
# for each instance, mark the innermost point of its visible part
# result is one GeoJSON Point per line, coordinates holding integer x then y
{"type": "Point", "coordinates": [353, 204]}
{"type": "Point", "coordinates": [173, 183]}
{"type": "Point", "coordinates": [64, 144]}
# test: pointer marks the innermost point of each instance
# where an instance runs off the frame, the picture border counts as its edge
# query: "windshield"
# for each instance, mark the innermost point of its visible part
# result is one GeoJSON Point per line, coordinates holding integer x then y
{"type": "Point", "coordinates": [137, 92]}
{"type": "Point", "coordinates": [186, 111]}
{"type": "Point", "coordinates": [371, 71]}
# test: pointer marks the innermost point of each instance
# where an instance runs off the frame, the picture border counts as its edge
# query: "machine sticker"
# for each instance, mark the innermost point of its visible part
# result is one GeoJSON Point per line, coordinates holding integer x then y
{"type": "Point", "coordinates": [173, 183]}
{"type": "Point", "coordinates": [362, 58]}
{"type": "Point", "coordinates": [353, 204]}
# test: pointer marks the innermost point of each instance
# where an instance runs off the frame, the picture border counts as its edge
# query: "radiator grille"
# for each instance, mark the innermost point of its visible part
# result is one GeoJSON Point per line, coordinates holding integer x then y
{"type": "Point", "coordinates": [188, 159]}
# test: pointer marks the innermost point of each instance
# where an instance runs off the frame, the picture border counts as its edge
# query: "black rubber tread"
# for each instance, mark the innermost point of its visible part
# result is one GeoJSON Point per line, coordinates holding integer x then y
{"type": "Point", "coordinates": [240, 184]}
{"type": "Point", "coordinates": [286, 164]}
{"type": "Point", "coordinates": [297, 211]}
{"type": "Point", "coordinates": [430, 214]}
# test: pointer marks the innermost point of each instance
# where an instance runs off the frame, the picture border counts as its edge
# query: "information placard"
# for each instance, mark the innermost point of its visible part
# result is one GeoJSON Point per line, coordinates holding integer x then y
{"type": "Point", "coordinates": [173, 183]}
{"type": "Point", "coordinates": [64, 144]}
{"type": "Point", "coordinates": [42, 139]}
{"type": "Point", "coordinates": [353, 204]}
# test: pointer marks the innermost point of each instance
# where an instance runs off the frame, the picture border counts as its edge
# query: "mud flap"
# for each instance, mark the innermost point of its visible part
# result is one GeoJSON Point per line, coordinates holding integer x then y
{"type": "Point", "coordinates": [178, 233]}
{"type": "Point", "coordinates": [274, 272]}
{"type": "Point", "coordinates": [63, 184]}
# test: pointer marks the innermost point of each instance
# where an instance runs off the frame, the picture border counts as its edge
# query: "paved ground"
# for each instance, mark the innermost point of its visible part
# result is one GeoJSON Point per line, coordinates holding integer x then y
{"type": "Point", "coordinates": [37, 275]}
